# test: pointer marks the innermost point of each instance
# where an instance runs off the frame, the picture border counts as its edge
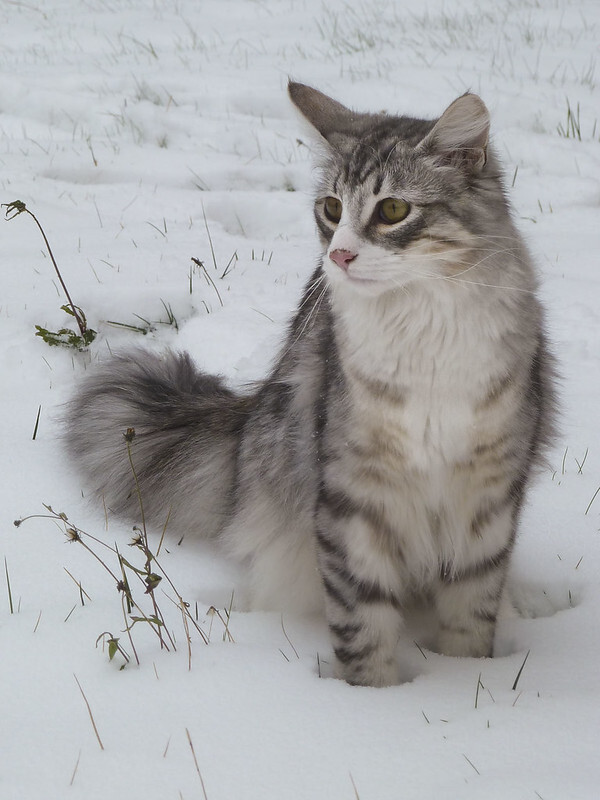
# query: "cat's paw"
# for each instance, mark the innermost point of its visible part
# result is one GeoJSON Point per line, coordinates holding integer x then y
{"type": "Point", "coordinates": [377, 673]}
{"type": "Point", "coordinates": [465, 643]}
{"type": "Point", "coordinates": [531, 599]}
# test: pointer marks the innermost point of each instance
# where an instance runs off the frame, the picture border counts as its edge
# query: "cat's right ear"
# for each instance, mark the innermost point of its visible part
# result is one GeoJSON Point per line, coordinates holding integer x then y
{"type": "Point", "coordinates": [329, 118]}
{"type": "Point", "coordinates": [460, 136]}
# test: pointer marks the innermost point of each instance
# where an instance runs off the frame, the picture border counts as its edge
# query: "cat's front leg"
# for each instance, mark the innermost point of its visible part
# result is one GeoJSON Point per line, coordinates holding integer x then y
{"type": "Point", "coordinates": [361, 606]}
{"type": "Point", "coordinates": [467, 602]}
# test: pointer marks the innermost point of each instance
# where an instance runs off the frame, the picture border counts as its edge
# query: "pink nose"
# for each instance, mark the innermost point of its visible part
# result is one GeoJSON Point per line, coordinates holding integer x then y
{"type": "Point", "coordinates": [342, 257]}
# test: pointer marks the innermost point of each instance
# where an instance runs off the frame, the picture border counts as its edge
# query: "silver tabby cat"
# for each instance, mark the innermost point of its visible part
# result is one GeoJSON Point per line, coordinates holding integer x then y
{"type": "Point", "coordinates": [388, 452]}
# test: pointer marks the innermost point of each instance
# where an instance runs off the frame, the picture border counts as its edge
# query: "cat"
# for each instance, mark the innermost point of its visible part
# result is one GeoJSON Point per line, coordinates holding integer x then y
{"type": "Point", "coordinates": [389, 451]}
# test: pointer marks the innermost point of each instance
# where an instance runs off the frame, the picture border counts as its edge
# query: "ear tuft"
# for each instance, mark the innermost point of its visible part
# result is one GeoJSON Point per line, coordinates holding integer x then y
{"type": "Point", "coordinates": [460, 137]}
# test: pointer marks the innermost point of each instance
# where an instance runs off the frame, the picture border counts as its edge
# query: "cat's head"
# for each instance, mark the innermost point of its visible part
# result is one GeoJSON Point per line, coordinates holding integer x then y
{"type": "Point", "coordinates": [401, 199]}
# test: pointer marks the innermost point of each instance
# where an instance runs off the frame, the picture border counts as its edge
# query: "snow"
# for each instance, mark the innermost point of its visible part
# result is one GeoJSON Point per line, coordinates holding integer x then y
{"type": "Point", "coordinates": [133, 130]}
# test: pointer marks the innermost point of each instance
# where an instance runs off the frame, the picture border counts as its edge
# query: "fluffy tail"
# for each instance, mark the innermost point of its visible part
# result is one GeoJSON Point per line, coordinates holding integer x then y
{"type": "Point", "coordinates": [187, 427]}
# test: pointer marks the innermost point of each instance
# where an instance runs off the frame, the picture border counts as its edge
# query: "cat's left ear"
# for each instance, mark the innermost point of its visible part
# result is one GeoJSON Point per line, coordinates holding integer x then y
{"type": "Point", "coordinates": [460, 136]}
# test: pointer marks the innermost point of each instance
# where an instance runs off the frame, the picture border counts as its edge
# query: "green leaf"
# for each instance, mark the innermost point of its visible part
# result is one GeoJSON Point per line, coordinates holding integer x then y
{"type": "Point", "coordinates": [65, 337]}
{"type": "Point", "coordinates": [154, 620]}
{"type": "Point", "coordinates": [130, 566]}
{"type": "Point", "coordinates": [113, 647]}
{"type": "Point", "coordinates": [152, 582]}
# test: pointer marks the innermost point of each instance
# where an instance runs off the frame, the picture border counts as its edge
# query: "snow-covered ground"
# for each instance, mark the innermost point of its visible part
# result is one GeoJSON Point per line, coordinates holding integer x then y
{"type": "Point", "coordinates": [142, 134]}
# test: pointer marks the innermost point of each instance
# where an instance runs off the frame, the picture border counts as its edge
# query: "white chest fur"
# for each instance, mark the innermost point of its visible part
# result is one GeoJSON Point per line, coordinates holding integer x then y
{"type": "Point", "coordinates": [420, 361]}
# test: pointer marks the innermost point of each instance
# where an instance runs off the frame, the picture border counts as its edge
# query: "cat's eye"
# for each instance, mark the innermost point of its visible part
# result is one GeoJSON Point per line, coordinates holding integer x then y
{"type": "Point", "coordinates": [392, 210]}
{"type": "Point", "coordinates": [333, 209]}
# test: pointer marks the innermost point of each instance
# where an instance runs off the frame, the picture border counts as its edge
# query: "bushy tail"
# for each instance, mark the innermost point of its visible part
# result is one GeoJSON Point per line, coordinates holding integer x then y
{"type": "Point", "coordinates": [187, 426]}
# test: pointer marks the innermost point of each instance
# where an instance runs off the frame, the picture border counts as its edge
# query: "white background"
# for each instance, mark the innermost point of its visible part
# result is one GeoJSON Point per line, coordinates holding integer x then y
{"type": "Point", "coordinates": [123, 123]}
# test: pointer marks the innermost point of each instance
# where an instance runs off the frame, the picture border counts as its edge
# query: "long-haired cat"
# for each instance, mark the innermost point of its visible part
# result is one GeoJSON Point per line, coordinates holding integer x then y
{"type": "Point", "coordinates": [389, 450]}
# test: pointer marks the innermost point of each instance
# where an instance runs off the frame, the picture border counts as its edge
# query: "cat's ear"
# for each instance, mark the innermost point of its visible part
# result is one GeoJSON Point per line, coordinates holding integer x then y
{"type": "Point", "coordinates": [329, 118]}
{"type": "Point", "coordinates": [460, 136]}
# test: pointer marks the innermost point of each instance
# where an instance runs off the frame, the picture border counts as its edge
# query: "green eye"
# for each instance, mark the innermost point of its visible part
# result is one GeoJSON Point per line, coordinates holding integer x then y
{"type": "Point", "coordinates": [333, 209]}
{"type": "Point", "coordinates": [393, 210]}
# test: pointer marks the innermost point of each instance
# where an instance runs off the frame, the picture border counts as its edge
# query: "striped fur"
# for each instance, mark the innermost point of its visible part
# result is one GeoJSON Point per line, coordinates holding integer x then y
{"type": "Point", "coordinates": [389, 451]}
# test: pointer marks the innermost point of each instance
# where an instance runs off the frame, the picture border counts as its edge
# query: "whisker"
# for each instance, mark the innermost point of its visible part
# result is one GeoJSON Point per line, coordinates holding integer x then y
{"type": "Point", "coordinates": [312, 289]}
{"type": "Point", "coordinates": [491, 285]}
{"type": "Point", "coordinates": [310, 315]}
{"type": "Point", "coordinates": [389, 155]}
{"type": "Point", "coordinates": [424, 274]}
